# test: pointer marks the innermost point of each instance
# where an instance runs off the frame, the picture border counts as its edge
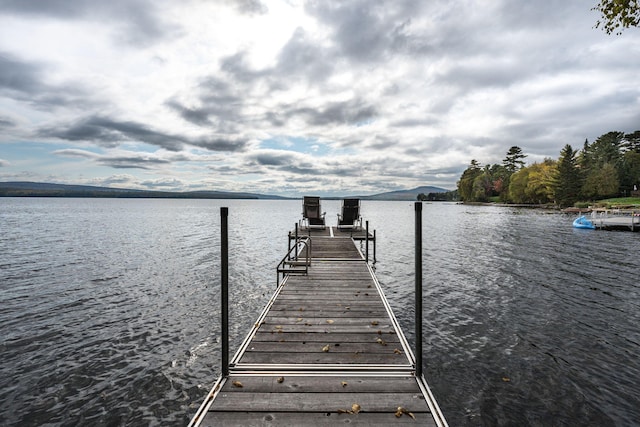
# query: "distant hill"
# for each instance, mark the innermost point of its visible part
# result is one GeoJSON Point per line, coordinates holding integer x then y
{"type": "Point", "coordinates": [41, 189]}
{"type": "Point", "coordinates": [405, 194]}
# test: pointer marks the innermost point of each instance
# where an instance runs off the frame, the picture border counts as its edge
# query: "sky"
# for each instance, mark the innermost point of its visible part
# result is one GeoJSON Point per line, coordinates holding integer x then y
{"type": "Point", "coordinates": [296, 98]}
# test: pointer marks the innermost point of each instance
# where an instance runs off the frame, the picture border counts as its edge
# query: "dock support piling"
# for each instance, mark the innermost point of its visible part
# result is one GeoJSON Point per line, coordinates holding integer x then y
{"type": "Point", "coordinates": [224, 283]}
{"type": "Point", "coordinates": [374, 246]}
{"type": "Point", "coordinates": [418, 207]}
{"type": "Point", "coordinates": [366, 250]}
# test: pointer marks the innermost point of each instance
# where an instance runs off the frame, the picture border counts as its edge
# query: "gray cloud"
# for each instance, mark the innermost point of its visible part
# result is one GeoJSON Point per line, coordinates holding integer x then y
{"type": "Point", "coordinates": [140, 22]}
{"type": "Point", "coordinates": [248, 7]}
{"type": "Point", "coordinates": [303, 58]}
{"type": "Point", "coordinates": [26, 82]}
{"type": "Point", "coordinates": [218, 105]}
{"type": "Point", "coordinates": [19, 77]}
{"type": "Point", "coordinates": [119, 161]}
{"type": "Point", "coordinates": [111, 133]}
{"type": "Point", "coordinates": [368, 31]}
{"type": "Point", "coordinates": [349, 112]}
{"type": "Point", "coordinates": [6, 123]}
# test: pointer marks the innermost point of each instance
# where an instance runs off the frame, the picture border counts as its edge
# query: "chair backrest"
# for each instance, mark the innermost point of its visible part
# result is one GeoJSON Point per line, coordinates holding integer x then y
{"type": "Point", "coordinates": [311, 207]}
{"type": "Point", "coordinates": [350, 210]}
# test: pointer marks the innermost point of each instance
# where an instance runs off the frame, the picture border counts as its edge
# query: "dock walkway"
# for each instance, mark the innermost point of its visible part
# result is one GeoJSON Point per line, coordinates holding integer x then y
{"type": "Point", "coordinates": [327, 349]}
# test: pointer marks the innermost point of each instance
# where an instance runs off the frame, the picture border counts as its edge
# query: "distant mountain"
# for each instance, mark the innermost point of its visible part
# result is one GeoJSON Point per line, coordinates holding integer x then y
{"type": "Point", "coordinates": [41, 189]}
{"type": "Point", "coordinates": [405, 194]}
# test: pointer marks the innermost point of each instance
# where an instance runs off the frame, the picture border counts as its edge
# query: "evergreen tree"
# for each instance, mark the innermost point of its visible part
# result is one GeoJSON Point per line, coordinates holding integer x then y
{"type": "Point", "coordinates": [567, 180]}
{"type": "Point", "coordinates": [606, 151]}
{"type": "Point", "coordinates": [632, 141]}
{"type": "Point", "coordinates": [513, 161]}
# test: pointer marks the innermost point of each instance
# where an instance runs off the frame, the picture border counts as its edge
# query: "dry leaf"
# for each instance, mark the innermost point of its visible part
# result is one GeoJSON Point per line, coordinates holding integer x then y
{"type": "Point", "coordinates": [381, 341]}
{"type": "Point", "coordinates": [330, 321]}
{"type": "Point", "coordinates": [374, 323]}
{"type": "Point", "coordinates": [355, 408]}
{"type": "Point", "coordinates": [402, 410]}
{"type": "Point", "coordinates": [343, 411]}
{"type": "Point", "coordinates": [506, 379]}
{"type": "Point", "coordinates": [344, 383]}
{"type": "Point", "coordinates": [326, 348]}
{"type": "Point", "coordinates": [396, 351]}
{"type": "Point", "coordinates": [280, 380]}
{"type": "Point", "coordinates": [237, 384]}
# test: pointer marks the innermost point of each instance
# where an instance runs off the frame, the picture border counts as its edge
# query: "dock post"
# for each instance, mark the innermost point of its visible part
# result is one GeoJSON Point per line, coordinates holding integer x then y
{"type": "Point", "coordinates": [418, 207]}
{"type": "Point", "coordinates": [366, 250]}
{"type": "Point", "coordinates": [224, 283]}
{"type": "Point", "coordinates": [374, 246]}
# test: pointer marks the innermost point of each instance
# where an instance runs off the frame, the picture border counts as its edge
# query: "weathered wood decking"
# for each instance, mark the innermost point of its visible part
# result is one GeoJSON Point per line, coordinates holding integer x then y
{"type": "Point", "coordinates": [616, 219]}
{"type": "Point", "coordinates": [326, 350]}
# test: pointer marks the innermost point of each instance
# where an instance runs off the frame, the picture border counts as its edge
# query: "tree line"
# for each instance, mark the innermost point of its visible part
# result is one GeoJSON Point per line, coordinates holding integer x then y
{"type": "Point", "coordinates": [608, 167]}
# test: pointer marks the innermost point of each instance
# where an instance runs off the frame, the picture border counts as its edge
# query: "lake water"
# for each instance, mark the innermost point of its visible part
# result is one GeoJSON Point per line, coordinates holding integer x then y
{"type": "Point", "coordinates": [109, 308]}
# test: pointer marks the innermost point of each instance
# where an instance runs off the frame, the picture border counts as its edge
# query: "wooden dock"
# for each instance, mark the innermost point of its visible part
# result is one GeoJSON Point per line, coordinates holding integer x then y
{"type": "Point", "coordinates": [327, 349]}
{"type": "Point", "coordinates": [616, 219]}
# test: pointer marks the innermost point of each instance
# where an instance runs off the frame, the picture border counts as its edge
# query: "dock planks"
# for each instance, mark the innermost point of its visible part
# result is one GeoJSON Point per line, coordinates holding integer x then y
{"type": "Point", "coordinates": [326, 350]}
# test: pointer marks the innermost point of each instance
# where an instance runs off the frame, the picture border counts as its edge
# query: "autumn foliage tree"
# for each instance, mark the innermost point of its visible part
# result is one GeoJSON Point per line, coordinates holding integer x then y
{"type": "Point", "coordinates": [617, 15]}
{"type": "Point", "coordinates": [608, 167]}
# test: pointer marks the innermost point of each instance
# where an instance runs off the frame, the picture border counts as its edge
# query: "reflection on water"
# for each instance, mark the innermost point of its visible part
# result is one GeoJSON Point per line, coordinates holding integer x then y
{"type": "Point", "coordinates": [109, 308]}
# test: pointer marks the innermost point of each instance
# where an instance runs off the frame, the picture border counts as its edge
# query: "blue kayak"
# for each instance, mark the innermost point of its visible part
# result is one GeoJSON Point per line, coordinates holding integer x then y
{"type": "Point", "coordinates": [583, 222]}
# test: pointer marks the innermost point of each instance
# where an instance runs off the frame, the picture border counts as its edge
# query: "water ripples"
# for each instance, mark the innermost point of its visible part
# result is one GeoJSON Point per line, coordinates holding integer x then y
{"type": "Point", "coordinates": [110, 309]}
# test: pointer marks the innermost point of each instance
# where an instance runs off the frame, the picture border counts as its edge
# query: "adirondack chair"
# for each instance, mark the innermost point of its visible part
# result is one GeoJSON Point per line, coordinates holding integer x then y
{"type": "Point", "coordinates": [311, 215]}
{"type": "Point", "coordinates": [350, 218]}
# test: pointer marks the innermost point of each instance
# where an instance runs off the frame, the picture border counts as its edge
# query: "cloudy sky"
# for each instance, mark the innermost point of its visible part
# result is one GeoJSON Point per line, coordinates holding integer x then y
{"type": "Point", "coordinates": [300, 97]}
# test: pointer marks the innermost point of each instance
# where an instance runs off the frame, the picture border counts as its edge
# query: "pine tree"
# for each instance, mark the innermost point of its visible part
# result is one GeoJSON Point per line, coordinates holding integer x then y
{"type": "Point", "coordinates": [567, 183]}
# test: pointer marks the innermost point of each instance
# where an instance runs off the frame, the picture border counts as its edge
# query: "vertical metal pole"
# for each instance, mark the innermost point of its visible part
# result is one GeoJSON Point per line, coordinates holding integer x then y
{"type": "Point", "coordinates": [374, 246]}
{"type": "Point", "coordinates": [367, 241]}
{"type": "Point", "coordinates": [224, 294]}
{"type": "Point", "coordinates": [418, 207]}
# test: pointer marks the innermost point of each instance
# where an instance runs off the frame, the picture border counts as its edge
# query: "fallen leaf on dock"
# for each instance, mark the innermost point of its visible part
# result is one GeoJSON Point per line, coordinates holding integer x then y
{"type": "Point", "coordinates": [396, 351]}
{"type": "Point", "coordinates": [344, 383]}
{"type": "Point", "coordinates": [381, 341]}
{"type": "Point", "coordinates": [237, 384]}
{"type": "Point", "coordinates": [374, 323]}
{"type": "Point", "coordinates": [330, 321]}
{"type": "Point", "coordinates": [280, 380]}
{"type": "Point", "coordinates": [326, 348]}
{"type": "Point", "coordinates": [355, 408]}
{"type": "Point", "coordinates": [402, 410]}
{"type": "Point", "coordinates": [506, 379]}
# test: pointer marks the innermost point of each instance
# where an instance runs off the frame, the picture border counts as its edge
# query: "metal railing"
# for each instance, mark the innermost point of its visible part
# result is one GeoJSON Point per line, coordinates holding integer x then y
{"type": "Point", "coordinates": [291, 262]}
